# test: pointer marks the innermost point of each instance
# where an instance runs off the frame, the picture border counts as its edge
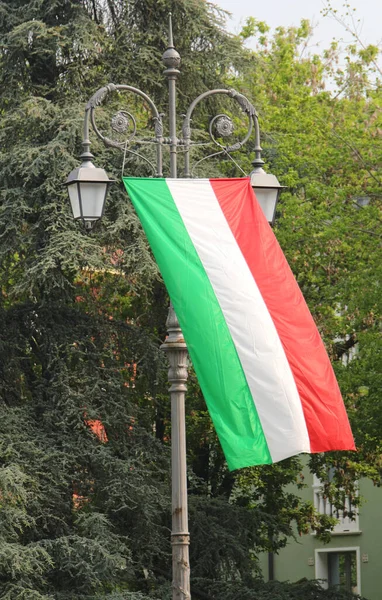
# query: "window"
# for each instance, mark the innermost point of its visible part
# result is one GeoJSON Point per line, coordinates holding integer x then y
{"type": "Point", "coordinates": [342, 570]}
{"type": "Point", "coordinates": [339, 567]}
{"type": "Point", "coordinates": [322, 505]}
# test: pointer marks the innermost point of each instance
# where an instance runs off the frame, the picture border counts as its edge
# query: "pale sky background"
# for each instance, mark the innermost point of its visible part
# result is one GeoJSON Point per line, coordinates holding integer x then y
{"type": "Point", "coordinates": [290, 12]}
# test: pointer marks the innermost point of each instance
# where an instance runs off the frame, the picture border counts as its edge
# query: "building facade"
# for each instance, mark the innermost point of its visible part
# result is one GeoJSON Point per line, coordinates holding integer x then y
{"type": "Point", "coordinates": [351, 560]}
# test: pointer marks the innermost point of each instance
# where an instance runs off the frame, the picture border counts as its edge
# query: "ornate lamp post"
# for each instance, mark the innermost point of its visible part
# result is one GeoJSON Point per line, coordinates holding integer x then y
{"type": "Point", "coordinates": [88, 185]}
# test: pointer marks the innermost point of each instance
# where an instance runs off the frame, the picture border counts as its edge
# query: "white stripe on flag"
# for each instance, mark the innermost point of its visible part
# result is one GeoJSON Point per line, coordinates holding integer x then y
{"type": "Point", "coordinates": [258, 345]}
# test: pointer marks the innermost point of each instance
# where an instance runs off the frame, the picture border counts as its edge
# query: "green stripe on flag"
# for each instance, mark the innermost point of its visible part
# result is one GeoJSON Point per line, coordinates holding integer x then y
{"type": "Point", "coordinates": [205, 330]}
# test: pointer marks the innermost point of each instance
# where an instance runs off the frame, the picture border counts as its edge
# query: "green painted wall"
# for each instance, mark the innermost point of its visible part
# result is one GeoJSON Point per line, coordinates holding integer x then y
{"type": "Point", "coordinates": [292, 562]}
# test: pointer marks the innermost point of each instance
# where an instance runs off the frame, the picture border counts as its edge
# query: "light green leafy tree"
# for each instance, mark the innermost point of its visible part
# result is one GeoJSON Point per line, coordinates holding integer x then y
{"type": "Point", "coordinates": [326, 147]}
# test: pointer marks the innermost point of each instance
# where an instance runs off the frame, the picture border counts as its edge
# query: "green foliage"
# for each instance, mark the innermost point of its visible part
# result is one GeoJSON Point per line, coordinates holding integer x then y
{"type": "Point", "coordinates": [273, 590]}
{"type": "Point", "coordinates": [82, 316]}
{"type": "Point", "coordinates": [74, 506]}
{"type": "Point", "coordinates": [327, 149]}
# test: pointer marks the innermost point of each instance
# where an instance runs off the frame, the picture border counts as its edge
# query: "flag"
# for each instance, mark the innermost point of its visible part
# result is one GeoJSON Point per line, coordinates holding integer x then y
{"type": "Point", "coordinates": [261, 364]}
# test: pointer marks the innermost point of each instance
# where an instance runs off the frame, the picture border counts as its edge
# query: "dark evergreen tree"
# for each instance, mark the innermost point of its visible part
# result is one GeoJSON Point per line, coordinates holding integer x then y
{"type": "Point", "coordinates": [84, 478]}
{"type": "Point", "coordinates": [84, 482]}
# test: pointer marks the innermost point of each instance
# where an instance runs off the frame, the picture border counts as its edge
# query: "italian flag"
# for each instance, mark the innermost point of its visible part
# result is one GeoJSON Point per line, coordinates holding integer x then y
{"type": "Point", "coordinates": [261, 364]}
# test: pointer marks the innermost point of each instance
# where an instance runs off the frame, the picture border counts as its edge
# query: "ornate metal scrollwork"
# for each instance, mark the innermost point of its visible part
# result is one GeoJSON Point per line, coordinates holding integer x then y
{"type": "Point", "coordinates": [221, 126]}
{"type": "Point", "coordinates": [158, 126]}
{"type": "Point", "coordinates": [123, 126]}
{"type": "Point", "coordinates": [245, 104]}
{"type": "Point", "coordinates": [100, 95]}
{"type": "Point", "coordinates": [120, 122]}
{"type": "Point", "coordinates": [186, 129]}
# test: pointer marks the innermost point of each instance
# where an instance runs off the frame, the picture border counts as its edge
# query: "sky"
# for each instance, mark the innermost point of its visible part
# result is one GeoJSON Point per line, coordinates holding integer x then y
{"type": "Point", "coordinates": [290, 12]}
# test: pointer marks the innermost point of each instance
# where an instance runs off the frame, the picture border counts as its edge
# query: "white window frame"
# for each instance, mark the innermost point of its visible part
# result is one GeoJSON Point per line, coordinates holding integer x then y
{"type": "Point", "coordinates": [321, 564]}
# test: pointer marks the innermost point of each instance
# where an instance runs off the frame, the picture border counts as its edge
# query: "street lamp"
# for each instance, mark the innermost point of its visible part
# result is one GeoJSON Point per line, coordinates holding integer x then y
{"type": "Point", "coordinates": [267, 190]}
{"type": "Point", "coordinates": [266, 186]}
{"type": "Point", "coordinates": [87, 188]}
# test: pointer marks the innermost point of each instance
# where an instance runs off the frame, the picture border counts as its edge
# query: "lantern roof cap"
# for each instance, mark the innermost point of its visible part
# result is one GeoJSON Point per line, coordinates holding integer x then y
{"type": "Point", "coordinates": [87, 172]}
{"type": "Point", "coordinates": [261, 179]}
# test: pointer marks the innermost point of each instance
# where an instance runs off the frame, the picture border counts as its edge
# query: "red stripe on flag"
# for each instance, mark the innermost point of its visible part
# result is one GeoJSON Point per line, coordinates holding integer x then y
{"type": "Point", "coordinates": [323, 407]}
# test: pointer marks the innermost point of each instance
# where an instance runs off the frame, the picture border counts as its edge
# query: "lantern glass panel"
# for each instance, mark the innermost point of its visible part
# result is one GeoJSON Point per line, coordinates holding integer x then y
{"type": "Point", "coordinates": [92, 198]}
{"type": "Point", "coordinates": [267, 198]}
{"type": "Point", "coordinates": [74, 200]}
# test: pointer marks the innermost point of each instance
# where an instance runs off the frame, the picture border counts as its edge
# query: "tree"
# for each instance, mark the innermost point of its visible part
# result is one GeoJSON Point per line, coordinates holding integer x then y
{"type": "Point", "coordinates": [326, 148]}
{"type": "Point", "coordinates": [82, 513]}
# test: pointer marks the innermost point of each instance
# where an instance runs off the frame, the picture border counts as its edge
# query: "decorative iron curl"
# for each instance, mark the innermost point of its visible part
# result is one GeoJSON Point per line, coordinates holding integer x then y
{"type": "Point", "coordinates": [244, 103]}
{"type": "Point", "coordinates": [100, 95]}
{"type": "Point", "coordinates": [121, 123]}
{"type": "Point", "coordinates": [224, 127]}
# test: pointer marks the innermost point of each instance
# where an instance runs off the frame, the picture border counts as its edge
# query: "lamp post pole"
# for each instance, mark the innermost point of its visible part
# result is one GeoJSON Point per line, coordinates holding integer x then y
{"type": "Point", "coordinates": [87, 187]}
{"type": "Point", "coordinates": [176, 350]}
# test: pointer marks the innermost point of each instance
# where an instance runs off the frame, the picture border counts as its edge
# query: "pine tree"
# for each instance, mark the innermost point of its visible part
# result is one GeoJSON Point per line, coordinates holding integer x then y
{"type": "Point", "coordinates": [84, 479]}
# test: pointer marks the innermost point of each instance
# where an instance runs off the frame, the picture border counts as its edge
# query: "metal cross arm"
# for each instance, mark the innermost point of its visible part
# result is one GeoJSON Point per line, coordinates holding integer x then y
{"type": "Point", "coordinates": [88, 185]}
